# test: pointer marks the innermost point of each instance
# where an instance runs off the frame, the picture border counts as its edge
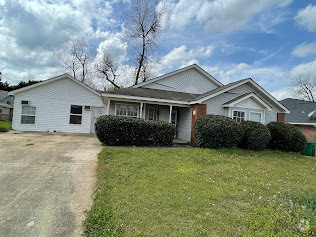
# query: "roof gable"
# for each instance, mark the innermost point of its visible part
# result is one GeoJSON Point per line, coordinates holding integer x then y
{"type": "Point", "coordinates": [63, 76]}
{"type": "Point", "coordinates": [191, 79]}
{"type": "Point", "coordinates": [249, 100]}
{"type": "Point", "coordinates": [236, 84]}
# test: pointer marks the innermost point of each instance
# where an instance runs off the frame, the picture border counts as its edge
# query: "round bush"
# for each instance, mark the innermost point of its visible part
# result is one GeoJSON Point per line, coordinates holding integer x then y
{"type": "Point", "coordinates": [215, 131]}
{"type": "Point", "coordinates": [256, 136]}
{"type": "Point", "coordinates": [116, 131]}
{"type": "Point", "coordinates": [286, 137]}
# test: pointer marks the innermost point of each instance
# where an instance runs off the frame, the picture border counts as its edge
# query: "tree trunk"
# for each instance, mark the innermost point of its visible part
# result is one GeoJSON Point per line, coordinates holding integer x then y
{"type": "Point", "coordinates": [140, 61]}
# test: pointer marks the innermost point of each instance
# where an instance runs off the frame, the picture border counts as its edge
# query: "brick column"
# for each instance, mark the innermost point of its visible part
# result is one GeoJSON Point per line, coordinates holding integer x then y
{"type": "Point", "coordinates": [197, 111]}
{"type": "Point", "coordinates": [281, 117]}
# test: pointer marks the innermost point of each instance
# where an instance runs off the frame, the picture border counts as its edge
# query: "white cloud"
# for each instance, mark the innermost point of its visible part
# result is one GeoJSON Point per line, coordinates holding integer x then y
{"type": "Point", "coordinates": [115, 46]}
{"type": "Point", "coordinates": [220, 16]}
{"type": "Point", "coordinates": [306, 17]}
{"type": "Point", "coordinates": [269, 78]}
{"type": "Point", "coordinates": [304, 49]}
{"type": "Point", "coordinates": [283, 93]}
{"type": "Point", "coordinates": [32, 30]}
{"type": "Point", "coordinates": [304, 68]}
{"type": "Point", "coordinates": [182, 56]}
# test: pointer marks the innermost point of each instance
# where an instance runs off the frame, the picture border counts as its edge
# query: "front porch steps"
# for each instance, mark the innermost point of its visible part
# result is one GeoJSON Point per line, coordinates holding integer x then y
{"type": "Point", "coordinates": [179, 142]}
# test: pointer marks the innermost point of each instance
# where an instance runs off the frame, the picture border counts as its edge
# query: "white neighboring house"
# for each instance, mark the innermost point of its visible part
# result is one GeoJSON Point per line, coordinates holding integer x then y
{"type": "Point", "coordinates": [61, 104]}
{"type": "Point", "coordinates": [64, 104]}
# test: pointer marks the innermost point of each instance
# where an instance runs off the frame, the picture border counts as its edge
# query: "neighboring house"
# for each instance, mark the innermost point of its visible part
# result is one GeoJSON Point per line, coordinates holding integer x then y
{"type": "Point", "coordinates": [6, 106]}
{"type": "Point", "coordinates": [303, 115]}
{"type": "Point", "coordinates": [66, 105]}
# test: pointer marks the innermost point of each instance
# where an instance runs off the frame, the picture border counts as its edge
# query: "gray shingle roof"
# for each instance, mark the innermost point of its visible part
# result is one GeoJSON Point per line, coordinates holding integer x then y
{"type": "Point", "coordinates": [153, 93]}
{"type": "Point", "coordinates": [299, 110]}
{"type": "Point", "coordinates": [219, 89]}
{"type": "Point", "coordinates": [237, 98]}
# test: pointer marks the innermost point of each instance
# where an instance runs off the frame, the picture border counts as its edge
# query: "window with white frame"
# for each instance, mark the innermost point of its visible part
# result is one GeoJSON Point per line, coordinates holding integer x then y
{"type": "Point", "coordinates": [75, 114]}
{"type": "Point", "coordinates": [126, 110]}
{"type": "Point", "coordinates": [255, 116]}
{"type": "Point", "coordinates": [28, 115]}
{"type": "Point", "coordinates": [239, 116]}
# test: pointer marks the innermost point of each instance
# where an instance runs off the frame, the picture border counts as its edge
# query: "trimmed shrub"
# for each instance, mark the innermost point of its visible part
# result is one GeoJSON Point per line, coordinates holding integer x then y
{"type": "Point", "coordinates": [119, 131]}
{"type": "Point", "coordinates": [256, 136]}
{"type": "Point", "coordinates": [216, 131]}
{"type": "Point", "coordinates": [286, 137]}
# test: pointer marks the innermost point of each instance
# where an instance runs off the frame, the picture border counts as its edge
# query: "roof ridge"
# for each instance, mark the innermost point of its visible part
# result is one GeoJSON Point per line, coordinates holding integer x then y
{"type": "Point", "coordinates": [299, 100]}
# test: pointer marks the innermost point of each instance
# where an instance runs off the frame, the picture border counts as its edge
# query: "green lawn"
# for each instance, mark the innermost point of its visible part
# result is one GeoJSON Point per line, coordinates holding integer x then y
{"type": "Point", "coordinates": [5, 126]}
{"type": "Point", "coordinates": [201, 192]}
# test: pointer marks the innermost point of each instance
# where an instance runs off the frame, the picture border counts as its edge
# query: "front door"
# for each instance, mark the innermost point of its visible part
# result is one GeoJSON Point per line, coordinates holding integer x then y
{"type": "Point", "coordinates": [96, 112]}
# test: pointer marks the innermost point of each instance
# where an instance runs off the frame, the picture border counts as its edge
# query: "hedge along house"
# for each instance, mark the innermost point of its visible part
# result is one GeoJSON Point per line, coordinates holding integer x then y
{"type": "Point", "coordinates": [179, 97]}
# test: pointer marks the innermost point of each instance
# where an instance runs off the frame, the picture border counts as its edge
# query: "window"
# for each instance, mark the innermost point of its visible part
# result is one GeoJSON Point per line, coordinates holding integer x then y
{"type": "Point", "coordinates": [75, 114]}
{"type": "Point", "coordinates": [255, 116]}
{"type": "Point", "coordinates": [28, 115]}
{"type": "Point", "coordinates": [239, 116]}
{"type": "Point", "coordinates": [127, 110]}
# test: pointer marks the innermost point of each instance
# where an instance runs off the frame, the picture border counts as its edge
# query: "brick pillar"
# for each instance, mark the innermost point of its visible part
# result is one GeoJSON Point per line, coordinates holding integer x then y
{"type": "Point", "coordinates": [197, 111]}
{"type": "Point", "coordinates": [281, 117]}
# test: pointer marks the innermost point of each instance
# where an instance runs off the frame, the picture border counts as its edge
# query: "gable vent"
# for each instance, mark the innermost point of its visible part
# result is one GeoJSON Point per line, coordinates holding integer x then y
{"type": "Point", "coordinates": [25, 102]}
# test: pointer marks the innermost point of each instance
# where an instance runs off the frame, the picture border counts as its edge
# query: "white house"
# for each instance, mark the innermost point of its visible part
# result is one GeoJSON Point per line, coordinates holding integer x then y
{"type": "Point", "coordinates": [63, 104]}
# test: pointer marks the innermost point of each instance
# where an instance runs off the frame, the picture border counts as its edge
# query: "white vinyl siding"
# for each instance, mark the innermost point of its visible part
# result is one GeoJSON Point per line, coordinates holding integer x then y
{"type": "Point", "coordinates": [214, 105]}
{"type": "Point", "coordinates": [189, 81]}
{"type": "Point", "coordinates": [53, 101]}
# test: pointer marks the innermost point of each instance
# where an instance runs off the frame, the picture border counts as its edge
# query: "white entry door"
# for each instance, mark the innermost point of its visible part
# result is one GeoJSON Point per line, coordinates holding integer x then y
{"type": "Point", "coordinates": [96, 112]}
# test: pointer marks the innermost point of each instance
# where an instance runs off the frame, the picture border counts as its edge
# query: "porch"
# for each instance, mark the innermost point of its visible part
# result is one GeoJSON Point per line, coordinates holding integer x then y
{"type": "Point", "coordinates": [177, 114]}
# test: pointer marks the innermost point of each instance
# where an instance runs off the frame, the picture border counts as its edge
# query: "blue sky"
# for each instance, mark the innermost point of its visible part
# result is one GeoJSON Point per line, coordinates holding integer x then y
{"type": "Point", "coordinates": [271, 41]}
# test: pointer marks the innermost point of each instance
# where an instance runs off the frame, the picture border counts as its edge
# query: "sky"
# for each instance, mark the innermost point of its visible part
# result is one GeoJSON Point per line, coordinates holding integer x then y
{"type": "Point", "coordinates": [271, 41]}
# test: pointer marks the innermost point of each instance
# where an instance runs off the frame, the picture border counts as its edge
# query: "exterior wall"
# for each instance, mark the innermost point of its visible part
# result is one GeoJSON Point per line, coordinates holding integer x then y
{"type": "Point", "coordinates": [197, 111]}
{"type": "Point", "coordinates": [214, 105]}
{"type": "Point", "coordinates": [309, 132]}
{"type": "Point", "coordinates": [281, 117]}
{"type": "Point", "coordinates": [189, 81]}
{"type": "Point", "coordinates": [184, 124]}
{"type": "Point", "coordinates": [6, 114]}
{"type": "Point", "coordinates": [7, 100]}
{"type": "Point", "coordinates": [53, 102]}
{"type": "Point", "coordinates": [184, 117]}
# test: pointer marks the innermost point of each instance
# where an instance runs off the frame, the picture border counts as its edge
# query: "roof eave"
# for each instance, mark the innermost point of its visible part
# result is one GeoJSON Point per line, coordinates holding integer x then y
{"type": "Point", "coordinates": [141, 98]}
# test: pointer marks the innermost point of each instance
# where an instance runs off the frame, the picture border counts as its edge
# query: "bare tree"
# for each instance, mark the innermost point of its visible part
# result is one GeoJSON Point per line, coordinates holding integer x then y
{"type": "Point", "coordinates": [304, 86]}
{"type": "Point", "coordinates": [76, 59]}
{"type": "Point", "coordinates": [143, 28]}
{"type": "Point", "coordinates": [108, 68]}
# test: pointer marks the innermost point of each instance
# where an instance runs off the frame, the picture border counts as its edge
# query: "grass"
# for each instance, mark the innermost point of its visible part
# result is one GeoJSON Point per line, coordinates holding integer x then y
{"type": "Point", "coordinates": [5, 126]}
{"type": "Point", "coordinates": [201, 192]}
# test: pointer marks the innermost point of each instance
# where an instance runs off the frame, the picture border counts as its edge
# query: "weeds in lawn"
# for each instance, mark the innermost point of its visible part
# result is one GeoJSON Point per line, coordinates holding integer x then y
{"type": "Point", "coordinates": [200, 192]}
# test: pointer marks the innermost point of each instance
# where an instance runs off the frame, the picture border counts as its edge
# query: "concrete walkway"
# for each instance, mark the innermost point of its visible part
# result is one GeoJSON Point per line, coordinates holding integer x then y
{"type": "Point", "coordinates": [46, 182]}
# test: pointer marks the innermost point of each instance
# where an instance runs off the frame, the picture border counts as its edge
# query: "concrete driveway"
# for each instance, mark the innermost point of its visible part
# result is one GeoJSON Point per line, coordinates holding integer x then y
{"type": "Point", "coordinates": [46, 182]}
